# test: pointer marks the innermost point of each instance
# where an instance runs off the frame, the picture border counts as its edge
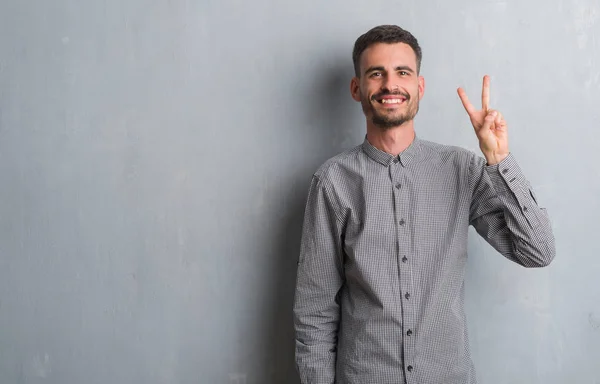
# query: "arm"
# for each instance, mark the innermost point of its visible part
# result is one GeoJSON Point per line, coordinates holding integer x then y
{"type": "Point", "coordinates": [505, 213]}
{"type": "Point", "coordinates": [319, 279]}
{"type": "Point", "coordinates": [503, 207]}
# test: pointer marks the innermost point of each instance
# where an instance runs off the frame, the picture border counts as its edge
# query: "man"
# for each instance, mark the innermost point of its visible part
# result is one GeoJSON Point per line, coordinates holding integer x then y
{"type": "Point", "coordinates": [380, 284]}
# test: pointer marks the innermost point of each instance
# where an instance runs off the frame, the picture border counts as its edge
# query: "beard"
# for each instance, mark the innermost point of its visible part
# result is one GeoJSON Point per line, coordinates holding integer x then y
{"type": "Point", "coordinates": [388, 120]}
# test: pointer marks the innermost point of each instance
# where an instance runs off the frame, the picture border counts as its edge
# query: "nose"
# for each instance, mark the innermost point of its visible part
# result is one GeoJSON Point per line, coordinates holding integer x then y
{"type": "Point", "coordinates": [390, 85]}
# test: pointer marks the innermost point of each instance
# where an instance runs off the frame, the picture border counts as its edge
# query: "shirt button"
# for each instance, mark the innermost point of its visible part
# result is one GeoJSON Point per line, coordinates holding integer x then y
{"type": "Point", "coordinates": [404, 259]}
{"type": "Point", "coordinates": [525, 209]}
{"type": "Point", "coordinates": [410, 368]}
{"type": "Point", "coordinates": [505, 171]}
{"type": "Point", "coordinates": [398, 186]}
{"type": "Point", "coordinates": [402, 222]}
{"type": "Point", "coordinates": [407, 295]}
{"type": "Point", "coordinates": [409, 332]}
{"type": "Point", "coordinates": [396, 160]}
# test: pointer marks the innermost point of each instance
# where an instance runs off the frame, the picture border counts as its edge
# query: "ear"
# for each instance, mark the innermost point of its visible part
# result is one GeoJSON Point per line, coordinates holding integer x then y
{"type": "Point", "coordinates": [355, 88]}
{"type": "Point", "coordinates": [421, 87]}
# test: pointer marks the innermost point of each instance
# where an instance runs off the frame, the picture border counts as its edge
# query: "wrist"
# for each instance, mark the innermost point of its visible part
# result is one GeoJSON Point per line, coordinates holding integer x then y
{"type": "Point", "coordinates": [495, 158]}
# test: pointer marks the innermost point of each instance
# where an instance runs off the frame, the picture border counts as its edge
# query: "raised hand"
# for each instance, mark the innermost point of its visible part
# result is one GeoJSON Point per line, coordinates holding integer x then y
{"type": "Point", "coordinates": [490, 127]}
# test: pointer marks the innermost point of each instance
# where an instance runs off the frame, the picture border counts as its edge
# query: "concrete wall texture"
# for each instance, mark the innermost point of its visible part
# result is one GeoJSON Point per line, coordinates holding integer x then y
{"type": "Point", "coordinates": [155, 158]}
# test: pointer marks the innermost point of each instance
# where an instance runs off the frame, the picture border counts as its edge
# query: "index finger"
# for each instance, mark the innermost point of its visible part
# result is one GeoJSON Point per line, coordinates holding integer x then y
{"type": "Point", "coordinates": [465, 101]}
{"type": "Point", "coordinates": [485, 93]}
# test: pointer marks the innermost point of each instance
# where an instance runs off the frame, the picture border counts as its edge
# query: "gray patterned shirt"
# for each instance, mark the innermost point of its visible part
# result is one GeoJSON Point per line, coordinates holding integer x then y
{"type": "Point", "coordinates": [380, 283]}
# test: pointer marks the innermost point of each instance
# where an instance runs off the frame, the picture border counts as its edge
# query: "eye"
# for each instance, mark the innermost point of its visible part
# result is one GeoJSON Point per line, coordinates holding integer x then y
{"type": "Point", "coordinates": [375, 74]}
{"type": "Point", "coordinates": [403, 73]}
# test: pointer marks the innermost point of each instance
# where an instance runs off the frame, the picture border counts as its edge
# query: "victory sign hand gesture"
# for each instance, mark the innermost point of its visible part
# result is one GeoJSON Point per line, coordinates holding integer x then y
{"type": "Point", "coordinates": [490, 127]}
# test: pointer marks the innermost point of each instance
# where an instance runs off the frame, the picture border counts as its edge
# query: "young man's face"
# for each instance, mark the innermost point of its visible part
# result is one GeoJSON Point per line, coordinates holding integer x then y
{"type": "Point", "coordinates": [389, 87]}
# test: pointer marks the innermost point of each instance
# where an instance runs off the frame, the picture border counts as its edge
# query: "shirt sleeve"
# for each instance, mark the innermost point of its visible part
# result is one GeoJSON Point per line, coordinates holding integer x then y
{"type": "Point", "coordinates": [319, 280]}
{"type": "Point", "coordinates": [505, 212]}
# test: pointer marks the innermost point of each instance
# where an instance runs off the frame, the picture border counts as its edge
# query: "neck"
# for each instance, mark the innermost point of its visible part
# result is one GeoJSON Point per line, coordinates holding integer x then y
{"type": "Point", "coordinates": [393, 140]}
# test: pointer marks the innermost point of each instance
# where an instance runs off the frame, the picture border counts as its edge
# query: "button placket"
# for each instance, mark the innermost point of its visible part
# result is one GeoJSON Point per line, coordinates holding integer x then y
{"type": "Point", "coordinates": [404, 269]}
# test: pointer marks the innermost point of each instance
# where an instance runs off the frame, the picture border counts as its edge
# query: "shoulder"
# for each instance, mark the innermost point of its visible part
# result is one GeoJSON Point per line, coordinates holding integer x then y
{"type": "Point", "coordinates": [444, 153]}
{"type": "Point", "coordinates": [332, 166]}
{"type": "Point", "coordinates": [444, 149]}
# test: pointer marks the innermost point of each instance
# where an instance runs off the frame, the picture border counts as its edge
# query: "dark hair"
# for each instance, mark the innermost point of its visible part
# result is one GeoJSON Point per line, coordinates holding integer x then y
{"type": "Point", "coordinates": [384, 34]}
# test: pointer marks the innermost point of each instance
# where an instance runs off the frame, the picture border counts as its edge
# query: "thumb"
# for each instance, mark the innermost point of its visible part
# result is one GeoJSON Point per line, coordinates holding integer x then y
{"type": "Point", "coordinates": [489, 120]}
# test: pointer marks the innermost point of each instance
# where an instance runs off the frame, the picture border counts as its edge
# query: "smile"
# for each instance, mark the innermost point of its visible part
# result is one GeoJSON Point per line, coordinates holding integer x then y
{"type": "Point", "coordinates": [392, 101]}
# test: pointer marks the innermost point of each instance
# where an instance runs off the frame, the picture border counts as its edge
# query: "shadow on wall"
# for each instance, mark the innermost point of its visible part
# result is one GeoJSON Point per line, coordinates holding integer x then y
{"type": "Point", "coordinates": [333, 116]}
{"type": "Point", "coordinates": [329, 132]}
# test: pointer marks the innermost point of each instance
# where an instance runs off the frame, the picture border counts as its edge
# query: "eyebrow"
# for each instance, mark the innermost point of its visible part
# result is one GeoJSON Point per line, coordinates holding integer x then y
{"type": "Point", "coordinates": [398, 68]}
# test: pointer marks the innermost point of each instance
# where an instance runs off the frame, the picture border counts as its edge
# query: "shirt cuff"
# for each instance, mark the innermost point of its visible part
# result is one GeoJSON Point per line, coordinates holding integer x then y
{"type": "Point", "coordinates": [506, 175]}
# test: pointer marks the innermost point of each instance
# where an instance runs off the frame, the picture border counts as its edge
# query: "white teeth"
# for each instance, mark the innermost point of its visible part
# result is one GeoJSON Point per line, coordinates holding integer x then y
{"type": "Point", "coordinates": [391, 101]}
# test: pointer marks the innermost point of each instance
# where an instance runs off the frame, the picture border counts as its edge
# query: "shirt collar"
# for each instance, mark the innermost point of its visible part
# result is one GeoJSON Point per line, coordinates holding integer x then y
{"type": "Point", "coordinates": [407, 157]}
